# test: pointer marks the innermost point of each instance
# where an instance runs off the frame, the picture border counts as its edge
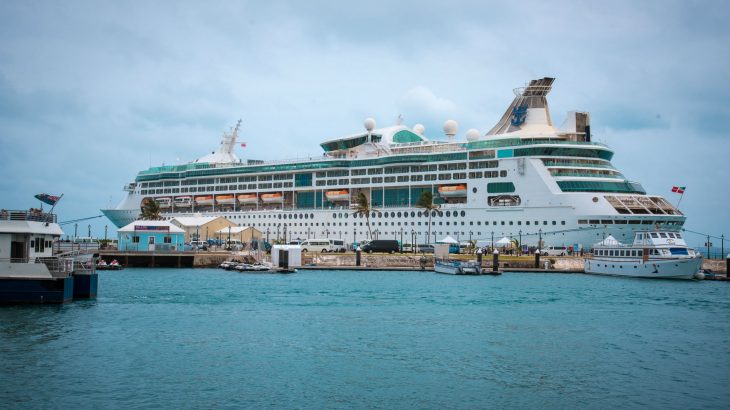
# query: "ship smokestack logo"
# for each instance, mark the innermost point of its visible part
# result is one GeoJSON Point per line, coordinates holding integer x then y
{"type": "Point", "coordinates": [519, 113]}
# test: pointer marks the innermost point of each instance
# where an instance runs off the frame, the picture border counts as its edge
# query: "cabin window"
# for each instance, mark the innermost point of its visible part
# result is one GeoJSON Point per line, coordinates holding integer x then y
{"type": "Point", "coordinates": [640, 253]}
{"type": "Point", "coordinates": [671, 235]}
{"type": "Point", "coordinates": [654, 235]}
{"type": "Point", "coordinates": [679, 236]}
{"type": "Point", "coordinates": [662, 235]}
{"type": "Point", "coordinates": [168, 239]}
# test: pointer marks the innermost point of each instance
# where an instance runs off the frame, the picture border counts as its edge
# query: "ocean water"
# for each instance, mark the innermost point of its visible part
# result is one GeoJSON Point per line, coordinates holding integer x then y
{"type": "Point", "coordinates": [197, 338]}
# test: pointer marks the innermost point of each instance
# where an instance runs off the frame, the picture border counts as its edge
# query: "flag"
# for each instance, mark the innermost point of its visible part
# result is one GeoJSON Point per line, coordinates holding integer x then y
{"type": "Point", "coordinates": [243, 144]}
{"type": "Point", "coordinates": [48, 199]}
{"type": "Point", "coordinates": [679, 189]}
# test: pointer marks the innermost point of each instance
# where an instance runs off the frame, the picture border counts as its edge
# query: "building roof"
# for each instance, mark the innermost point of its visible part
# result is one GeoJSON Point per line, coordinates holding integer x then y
{"type": "Point", "coordinates": [141, 224]}
{"type": "Point", "coordinates": [192, 221]}
{"type": "Point", "coordinates": [236, 229]}
{"type": "Point", "coordinates": [30, 227]}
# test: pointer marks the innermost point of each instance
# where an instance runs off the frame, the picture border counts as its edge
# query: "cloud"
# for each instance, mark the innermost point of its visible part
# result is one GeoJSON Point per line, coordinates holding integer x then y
{"type": "Point", "coordinates": [97, 91]}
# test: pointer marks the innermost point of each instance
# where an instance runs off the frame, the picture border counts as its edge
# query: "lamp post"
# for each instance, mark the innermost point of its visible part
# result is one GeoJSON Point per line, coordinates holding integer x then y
{"type": "Point", "coordinates": [277, 232]}
{"type": "Point", "coordinates": [354, 236]}
{"type": "Point", "coordinates": [539, 239]}
{"type": "Point", "coordinates": [492, 244]}
{"type": "Point", "coordinates": [401, 239]}
{"type": "Point", "coordinates": [519, 252]}
{"type": "Point", "coordinates": [434, 237]}
{"type": "Point", "coordinates": [267, 234]}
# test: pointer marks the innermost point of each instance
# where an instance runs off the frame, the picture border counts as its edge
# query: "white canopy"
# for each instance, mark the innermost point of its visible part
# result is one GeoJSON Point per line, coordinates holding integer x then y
{"type": "Point", "coordinates": [481, 243]}
{"type": "Point", "coordinates": [233, 229]}
{"type": "Point", "coordinates": [504, 242]}
{"type": "Point", "coordinates": [448, 239]}
{"type": "Point", "coordinates": [609, 240]}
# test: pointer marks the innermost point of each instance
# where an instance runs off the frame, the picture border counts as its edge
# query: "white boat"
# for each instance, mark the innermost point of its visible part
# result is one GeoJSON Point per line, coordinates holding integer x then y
{"type": "Point", "coordinates": [183, 201]}
{"type": "Point", "coordinates": [653, 254]}
{"type": "Point", "coordinates": [164, 202]}
{"type": "Point", "coordinates": [453, 267]}
{"type": "Point", "coordinates": [524, 175]}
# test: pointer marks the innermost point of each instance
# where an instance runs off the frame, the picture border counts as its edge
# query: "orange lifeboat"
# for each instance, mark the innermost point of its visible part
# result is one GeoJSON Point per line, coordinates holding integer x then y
{"type": "Point", "coordinates": [338, 195]}
{"type": "Point", "coordinates": [225, 199]}
{"type": "Point", "coordinates": [204, 200]}
{"type": "Point", "coordinates": [275, 198]}
{"type": "Point", "coordinates": [248, 199]}
{"type": "Point", "coordinates": [448, 191]}
{"type": "Point", "coordinates": [164, 201]}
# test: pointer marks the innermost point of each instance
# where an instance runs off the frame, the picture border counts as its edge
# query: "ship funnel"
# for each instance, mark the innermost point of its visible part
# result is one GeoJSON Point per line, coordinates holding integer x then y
{"type": "Point", "coordinates": [529, 108]}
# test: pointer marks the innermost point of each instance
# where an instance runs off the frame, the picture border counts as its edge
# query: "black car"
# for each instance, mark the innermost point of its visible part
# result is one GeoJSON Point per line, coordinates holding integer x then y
{"type": "Point", "coordinates": [382, 245]}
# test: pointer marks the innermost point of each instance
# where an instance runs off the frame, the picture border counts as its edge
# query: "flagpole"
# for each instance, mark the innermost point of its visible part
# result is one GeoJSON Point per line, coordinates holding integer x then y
{"type": "Point", "coordinates": [680, 199]}
{"type": "Point", "coordinates": [54, 205]}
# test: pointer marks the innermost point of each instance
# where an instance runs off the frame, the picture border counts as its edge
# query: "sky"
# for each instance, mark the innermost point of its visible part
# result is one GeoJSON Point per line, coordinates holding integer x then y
{"type": "Point", "coordinates": [91, 92]}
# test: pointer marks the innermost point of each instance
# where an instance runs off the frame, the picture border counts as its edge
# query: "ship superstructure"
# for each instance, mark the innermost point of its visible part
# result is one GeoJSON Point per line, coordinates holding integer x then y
{"type": "Point", "coordinates": [524, 178]}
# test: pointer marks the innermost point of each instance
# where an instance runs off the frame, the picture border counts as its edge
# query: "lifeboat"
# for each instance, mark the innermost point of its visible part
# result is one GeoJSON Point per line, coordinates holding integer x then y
{"type": "Point", "coordinates": [204, 200]}
{"type": "Point", "coordinates": [183, 201]}
{"type": "Point", "coordinates": [338, 195]}
{"type": "Point", "coordinates": [225, 199]}
{"type": "Point", "coordinates": [164, 202]}
{"type": "Point", "coordinates": [248, 199]}
{"type": "Point", "coordinates": [274, 198]}
{"type": "Point", "coordinates": [447, 191]}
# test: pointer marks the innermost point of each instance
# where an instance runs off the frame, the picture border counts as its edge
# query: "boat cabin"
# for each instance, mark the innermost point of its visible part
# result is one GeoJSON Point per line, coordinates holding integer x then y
{"type": "Point", "coordinates": [27, 235]}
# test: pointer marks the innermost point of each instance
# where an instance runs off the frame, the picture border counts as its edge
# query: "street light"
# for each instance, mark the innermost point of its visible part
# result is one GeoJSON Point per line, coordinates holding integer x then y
{"type": "Point", "coordinates": [519, 252]}
{"type": "Point", "coordinates": [401, 239]}
{"type": "Point", "coordinates": [267, 234]}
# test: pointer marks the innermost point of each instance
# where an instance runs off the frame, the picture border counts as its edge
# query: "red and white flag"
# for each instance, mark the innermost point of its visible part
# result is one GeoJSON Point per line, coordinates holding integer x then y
{"type": "Point", "coordinates": [243, 145]}
{"type": "Point", "coordinates": [678, 189]}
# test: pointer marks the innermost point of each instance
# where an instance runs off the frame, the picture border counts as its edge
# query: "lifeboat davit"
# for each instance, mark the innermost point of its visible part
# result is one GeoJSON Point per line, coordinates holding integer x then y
{"type": "Point", "coordinates": [225, 199]}
{"type": "Point", "coordinates": [275, 198]}
{"type": "Point", "coordinates": [248, 198]}
{"type": "Point", "coordinates": [338, 195]}
{"type": "Point", "coordinates": [448, 191]}
{"type": "Point", "coordinates": [204, 200]}
{"type": "Point", "coordinates": [183, 201]}
{"type": "Point", "coordinates": [164, 201]}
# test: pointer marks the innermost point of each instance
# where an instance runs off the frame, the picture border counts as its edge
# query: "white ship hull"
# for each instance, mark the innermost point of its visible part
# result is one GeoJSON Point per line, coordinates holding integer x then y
{"type": "Point", "coordinates": [686, 268]}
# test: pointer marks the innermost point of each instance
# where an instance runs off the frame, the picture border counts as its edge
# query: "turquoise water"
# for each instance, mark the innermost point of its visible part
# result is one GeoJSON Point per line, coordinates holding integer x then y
{"type": "Point", "coordinates": [340, 339]}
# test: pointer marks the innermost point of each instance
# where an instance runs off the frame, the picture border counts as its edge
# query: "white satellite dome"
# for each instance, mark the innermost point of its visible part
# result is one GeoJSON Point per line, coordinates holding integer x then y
{"type": "Point", "coordinates": [473, 134]}
{"type": "Point", "coordinates": [451, 127]}
{"type": "Point", "coordinates": [369, 124]}
{"type": "Point", "coordinates": [419, 129]}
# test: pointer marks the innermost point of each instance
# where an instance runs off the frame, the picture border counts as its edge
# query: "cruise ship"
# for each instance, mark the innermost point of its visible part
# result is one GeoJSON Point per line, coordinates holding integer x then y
{"type": "Point", "coordinates": [524, 179]}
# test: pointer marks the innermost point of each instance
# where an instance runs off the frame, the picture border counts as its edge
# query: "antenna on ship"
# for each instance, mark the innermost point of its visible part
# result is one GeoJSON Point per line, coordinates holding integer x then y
{"type": "Point", "coordinates": [451, 127]}
{"type": "Point", "coordinates": [399, 120]}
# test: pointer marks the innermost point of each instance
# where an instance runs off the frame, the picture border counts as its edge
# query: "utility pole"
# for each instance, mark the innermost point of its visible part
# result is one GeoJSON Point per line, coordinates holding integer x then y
{"type": "Point", "coordinates": [708, 246]}
{"type": "Point", "coordinates": [539, 241]}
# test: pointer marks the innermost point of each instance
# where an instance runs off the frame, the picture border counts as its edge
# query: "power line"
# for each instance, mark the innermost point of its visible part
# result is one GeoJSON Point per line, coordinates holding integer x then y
{"type": "Point", "coordinates": [79, 220]}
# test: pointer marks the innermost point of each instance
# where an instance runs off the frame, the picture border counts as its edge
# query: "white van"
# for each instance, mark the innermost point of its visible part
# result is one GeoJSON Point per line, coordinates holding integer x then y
{"type": "Point", "coordinates": [554, 251]}
{"type": "Point", "coordinates": [323, 245]}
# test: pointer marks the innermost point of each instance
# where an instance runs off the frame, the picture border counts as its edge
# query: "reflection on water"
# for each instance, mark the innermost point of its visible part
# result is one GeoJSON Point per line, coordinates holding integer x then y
{"type": "Point", "coordinates": [208, 338]}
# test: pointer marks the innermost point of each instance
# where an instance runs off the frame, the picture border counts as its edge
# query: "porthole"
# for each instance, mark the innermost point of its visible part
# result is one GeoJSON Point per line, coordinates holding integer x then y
{"type": "Point", "coordinates": [595, 199]}
{"type": "Point", "coordinates": [448, 213]}
{"type": "Point", "coordinates": [399, 214]}
{"type": "Point", "coordinates": [463, 213]}
{"type": "Point", "coordinates": [474, 190]}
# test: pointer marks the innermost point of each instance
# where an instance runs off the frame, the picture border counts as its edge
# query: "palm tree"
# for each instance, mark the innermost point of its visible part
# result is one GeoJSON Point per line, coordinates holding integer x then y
{"type": "Point", "coordinates": [426, 202]}
{"type": "Point", "coordinates": [362, 208]}
{"type": "Point", "coordinates": [151, 210]}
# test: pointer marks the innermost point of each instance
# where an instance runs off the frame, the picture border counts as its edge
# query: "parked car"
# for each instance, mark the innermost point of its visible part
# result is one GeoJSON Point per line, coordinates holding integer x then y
{"type": "Point", "coordinates": [424, 248]}
{"type": "Point", "coordinates": [554, 251]}
{"type": "Point", "coordinates": [382, 245]}
{"type": "Point", "coordinates": [199, 245]}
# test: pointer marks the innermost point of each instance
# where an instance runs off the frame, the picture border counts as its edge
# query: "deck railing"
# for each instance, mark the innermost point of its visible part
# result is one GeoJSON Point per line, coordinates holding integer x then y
{"type": "Point", "coordinates": [32, 214]}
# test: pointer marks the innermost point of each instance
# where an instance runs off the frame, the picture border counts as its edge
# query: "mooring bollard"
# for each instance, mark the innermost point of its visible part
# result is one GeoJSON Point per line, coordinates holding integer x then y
{"type": "Point", "coordinates": [537, 259]}
{"type": "Point", "coordinates": [495, 261]}
{"type": "Point", "coordinates": [358, 252]}
{"type": "Point", "coordinates": [479, 258]}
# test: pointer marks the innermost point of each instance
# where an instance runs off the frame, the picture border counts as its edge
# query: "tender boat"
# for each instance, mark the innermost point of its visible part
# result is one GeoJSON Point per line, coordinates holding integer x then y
{"type": "Point", "coordinates": [653, 254]}
{"type": "Point", "coordinates": [453, 267]}
{"type": "Point", "coordinates": [165, 201]}
{"type": "Point", "coordinates": [183, 201]}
